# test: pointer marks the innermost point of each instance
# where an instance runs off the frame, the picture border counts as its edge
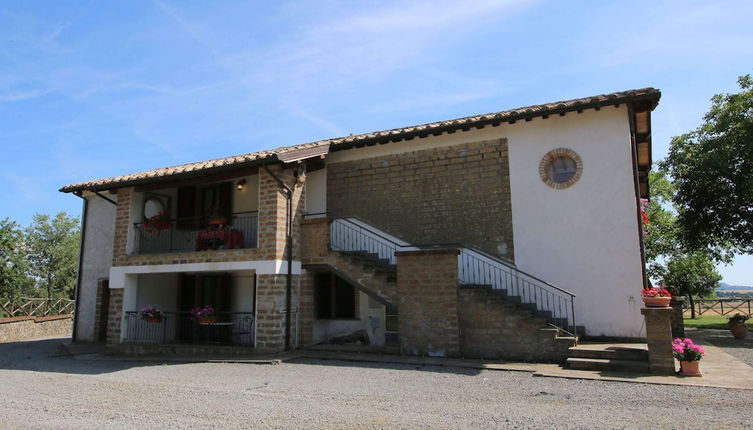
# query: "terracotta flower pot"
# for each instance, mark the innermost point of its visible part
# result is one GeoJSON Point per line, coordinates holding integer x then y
{"type": "Point", "coordinates": [738, 329]}
{"type": "Point", "coordinates": [153, 319]}
{"type": "Point", "coordinates": [690, 368]}
{"type": "Point", "coordinates": [657, 302]}
{"type": "Point", "coordinates": [210, 319]}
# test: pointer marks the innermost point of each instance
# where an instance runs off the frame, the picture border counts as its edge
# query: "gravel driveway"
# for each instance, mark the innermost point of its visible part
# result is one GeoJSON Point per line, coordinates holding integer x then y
{"type": "Point", "coordinates": [43, 389]}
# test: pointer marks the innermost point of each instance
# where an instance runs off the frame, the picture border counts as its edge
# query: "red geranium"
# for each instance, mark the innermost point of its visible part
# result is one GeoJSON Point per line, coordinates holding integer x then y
{"type": "Point", "coordinates": [656, 292]}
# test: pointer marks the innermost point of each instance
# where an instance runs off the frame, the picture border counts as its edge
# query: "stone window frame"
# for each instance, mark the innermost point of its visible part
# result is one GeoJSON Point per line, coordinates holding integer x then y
{"type": "Point", "coordinates": [553, 155]}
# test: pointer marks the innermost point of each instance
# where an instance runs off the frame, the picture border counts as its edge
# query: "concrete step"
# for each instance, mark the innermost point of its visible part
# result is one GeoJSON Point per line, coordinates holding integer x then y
{"type": "Point", "coordinates": [606, 364]}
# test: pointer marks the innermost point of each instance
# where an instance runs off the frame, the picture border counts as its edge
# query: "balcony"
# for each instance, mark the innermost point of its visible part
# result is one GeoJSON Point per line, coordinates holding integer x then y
{"type": "Point", "coordinates": [193, 234]}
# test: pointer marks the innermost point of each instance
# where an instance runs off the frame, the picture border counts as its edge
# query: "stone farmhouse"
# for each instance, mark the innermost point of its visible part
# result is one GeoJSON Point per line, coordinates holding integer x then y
{"type": "Point", "coordinates": [504, 235]}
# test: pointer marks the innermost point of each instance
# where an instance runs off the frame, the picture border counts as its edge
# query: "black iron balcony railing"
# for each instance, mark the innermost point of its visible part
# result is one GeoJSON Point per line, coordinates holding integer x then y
{"type": "Point", "coordinates": [192, 234]}
{"type": "Point", "coordinates": [227, 328]}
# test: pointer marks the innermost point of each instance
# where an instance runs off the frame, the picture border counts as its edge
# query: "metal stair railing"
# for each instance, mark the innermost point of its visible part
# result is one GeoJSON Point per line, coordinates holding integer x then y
{"type": "Point", "coordinates": [475, 267]}
{"type": "Point", "coordinates": [547, 300]}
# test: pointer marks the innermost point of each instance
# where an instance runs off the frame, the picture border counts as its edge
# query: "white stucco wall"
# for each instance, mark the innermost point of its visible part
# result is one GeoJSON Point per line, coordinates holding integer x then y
{"type": "Point", "coordinates": [159, 289]}
{"type": "Point", "coordinates": [97, 255]}
{"type": "Point", "coordinates": [243, 292]}
{"type": "Point", "coordinates": [316, 191]}
{"type": "Point", "coordinates": [583, 238]}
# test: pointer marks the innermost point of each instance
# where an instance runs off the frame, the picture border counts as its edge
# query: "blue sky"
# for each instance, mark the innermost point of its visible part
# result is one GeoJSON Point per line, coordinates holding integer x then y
{"type": "Point", "coordinates": [101, 88]}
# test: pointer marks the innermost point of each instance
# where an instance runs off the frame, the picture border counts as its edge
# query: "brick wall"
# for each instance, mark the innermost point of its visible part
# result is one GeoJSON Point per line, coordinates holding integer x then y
{"type": "Point", "coordinates": [427, 290]}
{"type": "Point", "coordinates": [439, 195]}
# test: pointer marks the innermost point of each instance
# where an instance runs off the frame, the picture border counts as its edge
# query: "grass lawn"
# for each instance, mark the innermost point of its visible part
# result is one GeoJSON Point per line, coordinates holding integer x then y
{"type": "Point", "coordinates": [707, 321]}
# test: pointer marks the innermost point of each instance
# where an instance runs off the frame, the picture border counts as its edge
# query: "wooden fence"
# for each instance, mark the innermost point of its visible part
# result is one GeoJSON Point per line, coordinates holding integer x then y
{"type": "Point", "coordinates": [34, 307]}
{"type": "Point", "coordinates": [724, 307]}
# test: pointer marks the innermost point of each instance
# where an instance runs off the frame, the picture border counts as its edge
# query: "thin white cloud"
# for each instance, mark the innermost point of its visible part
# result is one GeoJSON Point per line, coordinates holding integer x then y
{"type": "Point", "coordinates": [22, 95]}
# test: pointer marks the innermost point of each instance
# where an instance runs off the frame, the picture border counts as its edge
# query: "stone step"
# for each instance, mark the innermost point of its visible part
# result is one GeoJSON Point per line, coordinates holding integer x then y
{"type": "Point", "coordinates": [606, 364]}
{"type": "Point", "coordinates": [637, 352]}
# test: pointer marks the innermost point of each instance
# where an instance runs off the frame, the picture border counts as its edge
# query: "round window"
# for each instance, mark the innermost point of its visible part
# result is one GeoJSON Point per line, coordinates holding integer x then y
{"type": "Point", "coordinates": [560, 168]}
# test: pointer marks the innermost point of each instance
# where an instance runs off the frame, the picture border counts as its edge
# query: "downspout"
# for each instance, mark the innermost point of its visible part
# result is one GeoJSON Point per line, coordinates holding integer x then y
{"type": "Point", "coordinates": [288, 192]}
{"type": "Point", "coordinates": [77, 293]}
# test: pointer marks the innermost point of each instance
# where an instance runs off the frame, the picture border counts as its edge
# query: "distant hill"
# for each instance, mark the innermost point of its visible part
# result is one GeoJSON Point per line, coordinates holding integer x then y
{"type": "Point", "coordinates": [723, 286]}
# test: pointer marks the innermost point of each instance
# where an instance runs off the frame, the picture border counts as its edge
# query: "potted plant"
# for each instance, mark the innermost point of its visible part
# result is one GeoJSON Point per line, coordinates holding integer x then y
{"type": "Point", "coordinates": [689, 355]}
{"type": "Point", "coordinates": [152, 314]}
{"type": "Point", "coordinates": [205, 315]}
{"type": "Point", "coordinates": [737, 325]}
{"type": "Point", "coordinates": [656, 297]}
{"type": "Point", "coordinates": [157, 223]}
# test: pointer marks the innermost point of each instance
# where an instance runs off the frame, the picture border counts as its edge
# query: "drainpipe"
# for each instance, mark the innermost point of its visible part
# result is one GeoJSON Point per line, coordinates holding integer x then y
{"type": "Point", "coordinates": [288, 192]}
{"type": "Point", "coordinates": [77, 293]}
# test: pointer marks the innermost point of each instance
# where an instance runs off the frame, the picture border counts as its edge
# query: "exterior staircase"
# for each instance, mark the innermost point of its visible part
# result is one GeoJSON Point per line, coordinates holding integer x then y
{"type": "Point", "coordinates": [494, 327]}
{"type": "Point", "coordinates": [504, 312]}
{"type": "Point", "coordinates": [623, 357]}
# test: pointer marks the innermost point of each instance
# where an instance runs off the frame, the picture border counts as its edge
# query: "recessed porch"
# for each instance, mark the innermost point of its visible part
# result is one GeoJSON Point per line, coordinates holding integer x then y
{"type": "Point", "coordinates": [177, 296]}
{"type": "Point", "coordinates": [196, 215]}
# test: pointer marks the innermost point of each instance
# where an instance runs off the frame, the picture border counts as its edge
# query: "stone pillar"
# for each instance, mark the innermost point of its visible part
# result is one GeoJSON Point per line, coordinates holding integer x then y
{"type": "Point", "coordinates": [270, 313]}
{"type": "Point", "coordinates": [678, 325]}
{"type": "Point", "coordinates": [306, 309]}
{"type": "Point", "coordinates": [659, 339]}
{"type": "Point", "coordinates": [427, 295]}
{"type": "Point", "coordinates": [114, 317]}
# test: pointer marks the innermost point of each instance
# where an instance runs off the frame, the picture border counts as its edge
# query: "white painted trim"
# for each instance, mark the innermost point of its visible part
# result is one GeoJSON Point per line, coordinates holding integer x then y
{"type": "Point", "coordinates": [261, 267]}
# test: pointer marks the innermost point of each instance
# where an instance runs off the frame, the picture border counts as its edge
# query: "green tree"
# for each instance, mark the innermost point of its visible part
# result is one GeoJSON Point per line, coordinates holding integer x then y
{"type": "Point", "coordinates": [662, 238]}
{"type": "Point", "coordinates": [712, 170]}
{"type": "Point", "coordinates": [683, 270]}
{"type": "Point", "coordinates": [692, 275]}
{"type": "Point", "coordinates": [14, 266]}
{"type": "Point", "coordinates": [53, 246]}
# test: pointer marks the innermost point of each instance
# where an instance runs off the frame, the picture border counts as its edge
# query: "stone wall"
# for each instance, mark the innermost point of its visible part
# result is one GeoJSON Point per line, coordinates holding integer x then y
{"type": "Point", "coordinates": [15, 329]}
{"type": "Point", "coordinates": [437, 195]}
{"type": "Point", "coordinates": [427, 291]}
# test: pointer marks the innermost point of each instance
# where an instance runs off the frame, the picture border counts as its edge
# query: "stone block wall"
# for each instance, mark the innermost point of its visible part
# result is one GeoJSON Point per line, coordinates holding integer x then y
{"type": "Point", "coordinates": [315, 250]}
{"type": "Point", "coordinates": [427, 292]}
{"type": "Point", "coordinates": [490, 328]}
{"type": "Point", "coordinates": [102, 306]}
{"type": "Point", "coordinates": [437, 195]}
{"type": "Point", "coordinates": [16, 329]}
{"type": "Point", "coordinates": [114, 316]}
{"type": "Point", "coordinates": [659, 339]}
{"type": "Point", "coordinates": [270, 312]}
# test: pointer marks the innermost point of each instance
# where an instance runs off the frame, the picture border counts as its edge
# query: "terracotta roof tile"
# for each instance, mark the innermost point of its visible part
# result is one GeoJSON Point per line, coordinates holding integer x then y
{"type": "Point", "coordinates": [648, 95]}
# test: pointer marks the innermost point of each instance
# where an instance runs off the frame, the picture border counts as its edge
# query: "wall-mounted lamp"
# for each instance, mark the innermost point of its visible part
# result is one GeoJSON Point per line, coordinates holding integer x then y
{"type": "Point", "coordinates": [300, 174]}
{"type": "Point", "coordinates": [240, 184]}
